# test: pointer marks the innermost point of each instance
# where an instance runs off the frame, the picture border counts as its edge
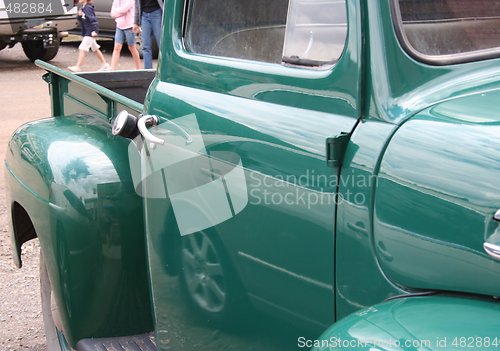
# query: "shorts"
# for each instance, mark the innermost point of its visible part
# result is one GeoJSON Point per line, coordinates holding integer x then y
{"type": "Point", "coordinates": [89, 43]}
{"type": "Point", "coordinates": [122, 34]}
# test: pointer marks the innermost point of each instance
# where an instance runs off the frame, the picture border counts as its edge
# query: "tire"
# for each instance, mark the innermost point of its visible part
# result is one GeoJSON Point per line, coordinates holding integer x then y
{"type": "Point", "coordinates": [34, 50]}
{"type": "Point", "coordinates": [46, 297]}
{"type": "Point", "coordinates": [208, 280]}
{"type": "Point", "coordinates": [3, 44]}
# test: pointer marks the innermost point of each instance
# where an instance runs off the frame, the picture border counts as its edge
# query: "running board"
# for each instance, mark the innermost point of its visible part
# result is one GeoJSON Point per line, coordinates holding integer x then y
{"type": "Point", "coordinates": [144, 342]}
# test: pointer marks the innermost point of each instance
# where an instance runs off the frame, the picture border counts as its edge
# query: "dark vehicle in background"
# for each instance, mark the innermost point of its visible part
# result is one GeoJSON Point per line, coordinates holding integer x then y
{"type": "Point", "coordinates": [38, 26]}
{"type": "Point", "coordinates": [107, 23]}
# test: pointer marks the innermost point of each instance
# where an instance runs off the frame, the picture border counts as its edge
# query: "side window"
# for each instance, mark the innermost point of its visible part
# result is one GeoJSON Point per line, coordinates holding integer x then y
{"type": "Point", "coordinates": [298, 32]}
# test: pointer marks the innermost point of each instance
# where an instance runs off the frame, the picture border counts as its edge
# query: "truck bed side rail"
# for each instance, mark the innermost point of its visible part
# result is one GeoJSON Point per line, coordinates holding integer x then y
{"type": "Point", "coordinates": [75, 94]}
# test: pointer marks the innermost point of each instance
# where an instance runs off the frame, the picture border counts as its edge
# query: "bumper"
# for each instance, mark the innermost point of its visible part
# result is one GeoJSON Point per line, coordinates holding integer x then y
{"type": "Point", "coordinates": [15, 26]}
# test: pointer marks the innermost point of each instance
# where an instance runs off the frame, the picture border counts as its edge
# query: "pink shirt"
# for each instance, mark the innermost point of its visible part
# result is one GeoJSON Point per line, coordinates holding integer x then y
{"type": "Point", "coordinates": [123, 13]}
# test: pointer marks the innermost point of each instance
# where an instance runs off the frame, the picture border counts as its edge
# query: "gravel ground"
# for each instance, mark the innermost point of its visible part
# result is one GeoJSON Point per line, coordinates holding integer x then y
{"type": "Point", "coordinates": [21, 327]}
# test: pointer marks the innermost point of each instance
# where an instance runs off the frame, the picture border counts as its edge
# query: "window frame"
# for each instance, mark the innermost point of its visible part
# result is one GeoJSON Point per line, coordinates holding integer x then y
{"type": "Point", "coordinates": [336, 90]}
{"type": "Point", "coordinates": [436, 60]}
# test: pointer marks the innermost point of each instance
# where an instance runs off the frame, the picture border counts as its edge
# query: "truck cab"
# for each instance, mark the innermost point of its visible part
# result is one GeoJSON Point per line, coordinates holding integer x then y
{"type": "Point", "coordinates": [297, 174]}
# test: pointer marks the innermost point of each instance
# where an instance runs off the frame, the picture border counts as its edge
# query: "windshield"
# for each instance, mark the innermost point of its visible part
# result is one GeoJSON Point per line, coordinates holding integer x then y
{"type": "Point", "coordinates": [457, 28]}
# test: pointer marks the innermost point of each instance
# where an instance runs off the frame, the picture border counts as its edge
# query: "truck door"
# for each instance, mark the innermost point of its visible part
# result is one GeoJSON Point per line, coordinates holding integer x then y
{"type": "Point", "coordinates": [239, 197]}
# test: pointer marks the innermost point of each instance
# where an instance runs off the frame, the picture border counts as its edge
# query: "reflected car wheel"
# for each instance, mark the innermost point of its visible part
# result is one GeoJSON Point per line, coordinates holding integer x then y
{"type": "Point", "coordinates": [207, 279]}
{"type": "Point", "coordinates": [47, 308]}
{"type": "Point", "coordinates": [203, 272]}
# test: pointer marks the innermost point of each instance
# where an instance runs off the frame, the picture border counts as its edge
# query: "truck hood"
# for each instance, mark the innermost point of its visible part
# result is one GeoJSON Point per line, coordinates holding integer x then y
{"type": "Point", "coordinates": [430, 323]}
{"type": "Point", "coordinates": [479, 107]}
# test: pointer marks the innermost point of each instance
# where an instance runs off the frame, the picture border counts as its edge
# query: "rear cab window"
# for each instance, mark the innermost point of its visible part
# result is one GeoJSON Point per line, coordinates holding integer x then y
{"type": "Point", "coordinates": [309, 33]}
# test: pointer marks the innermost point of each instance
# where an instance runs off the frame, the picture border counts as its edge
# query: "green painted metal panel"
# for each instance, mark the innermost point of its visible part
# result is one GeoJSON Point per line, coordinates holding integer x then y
{"type": "Point", "coordinates": [265, 126]}
{"type": "Point", "coordinates": [415, 323]}
{"type": "Point", "coordinates": [436, 197]}
{"type": "Point", "coordinates": [360, 282]}
{"type": "Point", "coordinates": [73, 179]}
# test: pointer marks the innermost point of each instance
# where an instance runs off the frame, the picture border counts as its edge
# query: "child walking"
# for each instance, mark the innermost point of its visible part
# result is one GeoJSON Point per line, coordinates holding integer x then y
{"type": "Point", "coordinates": [123, 12]}
{"type": "Point", "coordinates": [90, 28]}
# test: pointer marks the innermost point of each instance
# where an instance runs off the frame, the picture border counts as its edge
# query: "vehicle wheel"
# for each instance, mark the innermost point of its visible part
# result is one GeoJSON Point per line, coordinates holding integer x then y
{"type": "Point", "coordinates": [209, 282]}
{"type": "Point", "coordinates": [47, 313]}
{"type": "Point", "coordinates": [34, 50]}
{"type": "Point", "coordinates": [3, 44]}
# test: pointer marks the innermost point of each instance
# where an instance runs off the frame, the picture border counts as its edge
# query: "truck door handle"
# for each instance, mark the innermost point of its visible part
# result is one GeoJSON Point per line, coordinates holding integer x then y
{"type": "Point", "coordinates": [492, 245]}
{"type": "Point", "coordinates": [147, 121]}
{"type": "Point", "coordinates": [496, 217]}
{"type": "Point", "coordinates": [144, 123]}
{"type": "Point", "coordinates": [492, 250]}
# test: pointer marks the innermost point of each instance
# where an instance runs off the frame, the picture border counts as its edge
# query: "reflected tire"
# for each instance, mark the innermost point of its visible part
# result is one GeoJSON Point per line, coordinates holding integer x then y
{"type": "Point", "coordinates": [46, 299]}
{"type": "Point", "coordinates": [208, 281]}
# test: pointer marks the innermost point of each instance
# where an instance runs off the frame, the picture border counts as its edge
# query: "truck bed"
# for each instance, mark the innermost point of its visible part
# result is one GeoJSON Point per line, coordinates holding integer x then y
{"type": "Point", "coordinates": [131, 84]}
{"type": "Point", "coordinates": [97, 93]}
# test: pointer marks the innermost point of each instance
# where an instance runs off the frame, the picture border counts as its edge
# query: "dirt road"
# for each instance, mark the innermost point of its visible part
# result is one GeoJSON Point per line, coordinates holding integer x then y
{"type": "Point", "coordinates": [24, 97]}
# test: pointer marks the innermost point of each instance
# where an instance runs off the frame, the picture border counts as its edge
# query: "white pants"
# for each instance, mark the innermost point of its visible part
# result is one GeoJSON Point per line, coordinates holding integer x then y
{"type": "Point", "coordinates": [89, 43]}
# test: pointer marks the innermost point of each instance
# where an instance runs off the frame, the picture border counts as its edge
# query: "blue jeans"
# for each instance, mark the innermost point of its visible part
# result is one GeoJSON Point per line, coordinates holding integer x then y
{"type": "Point", "coordinates": [125, 35]}
{"type": "Point", "coordinates": [150, 25]}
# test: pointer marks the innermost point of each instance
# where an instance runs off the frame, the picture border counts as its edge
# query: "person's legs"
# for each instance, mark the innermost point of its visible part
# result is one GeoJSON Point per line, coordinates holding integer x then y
{"type": "Point", "coordinates": [83, 48]}
{"type": "Point", "coordinates": [100, 57]}
{"type": "Point", "coordinates": [146, 40]}
{"type": "Point", "coordinates": [156, 18]}
{"type": "Point", "coordinates": [119, 40]}
{"type": "Point", "coordinates": [135, 55]}
{"type": "Point", "coordinates": [116, 55]}
{"type": "Point", "coordinates": [130, 37]}
{"type": "Point", "coordinates": [79, 62]}
{"type": "Point", "coordinates": [95, 48]}
{"type": "Point", "coordinates": [81, 57]}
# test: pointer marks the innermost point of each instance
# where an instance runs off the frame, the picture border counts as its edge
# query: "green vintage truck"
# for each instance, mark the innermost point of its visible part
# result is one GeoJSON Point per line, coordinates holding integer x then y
{"type": "Point", "coordinates": [297, 174]}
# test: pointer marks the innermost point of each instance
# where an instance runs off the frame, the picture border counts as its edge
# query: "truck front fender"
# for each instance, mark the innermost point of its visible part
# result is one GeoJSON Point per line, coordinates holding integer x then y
{"type": "Point", "coordinates": [437, 322]}
{"type": "Point", "coordinates": [72, 178]}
